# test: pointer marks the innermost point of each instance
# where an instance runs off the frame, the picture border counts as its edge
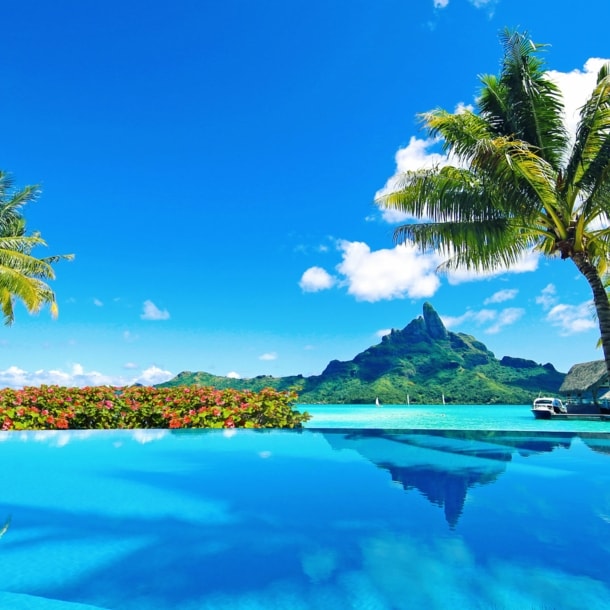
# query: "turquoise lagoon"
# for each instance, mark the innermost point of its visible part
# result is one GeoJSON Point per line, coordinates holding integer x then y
{"type": "Point", "coordinates": [443, 417]}
{"type": "Point", "coordinates": [387, 516]}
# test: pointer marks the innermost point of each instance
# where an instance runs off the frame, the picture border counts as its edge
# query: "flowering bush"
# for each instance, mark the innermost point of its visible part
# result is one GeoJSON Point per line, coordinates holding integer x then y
{"type": "Point", "coordinates": [104, 407]}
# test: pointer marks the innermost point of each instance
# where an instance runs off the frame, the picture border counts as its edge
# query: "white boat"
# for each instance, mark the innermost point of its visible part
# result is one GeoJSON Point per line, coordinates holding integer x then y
{"type": "Point", "coordinates": [545, 407]}
{"type": "Point", "coordinates": [377, 403]}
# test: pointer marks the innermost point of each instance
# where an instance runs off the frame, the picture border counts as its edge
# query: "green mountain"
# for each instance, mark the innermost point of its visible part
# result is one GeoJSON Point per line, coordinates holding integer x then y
{"type": "Point", "coordinates": [422, 363]}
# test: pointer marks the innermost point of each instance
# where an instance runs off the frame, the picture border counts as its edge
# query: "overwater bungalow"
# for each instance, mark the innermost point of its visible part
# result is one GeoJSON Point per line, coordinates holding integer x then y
{"type": "Point", "coordinates": [585, 387]}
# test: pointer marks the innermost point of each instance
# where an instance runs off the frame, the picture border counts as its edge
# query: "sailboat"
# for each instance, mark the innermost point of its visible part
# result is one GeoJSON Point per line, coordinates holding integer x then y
{"type": "Point", "coordinates": [377, 403]}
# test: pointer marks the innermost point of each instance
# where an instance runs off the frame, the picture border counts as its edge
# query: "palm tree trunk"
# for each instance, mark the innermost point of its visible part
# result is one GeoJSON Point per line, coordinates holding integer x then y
{"type": "Point", "coordinates": [600, 300]}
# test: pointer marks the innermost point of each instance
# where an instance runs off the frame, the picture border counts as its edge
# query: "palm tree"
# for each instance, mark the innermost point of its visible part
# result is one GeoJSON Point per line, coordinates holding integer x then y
{"type": "Point", "coordinates": [22, 275]}
{"type": "Point", "coordinates": [518, 181]}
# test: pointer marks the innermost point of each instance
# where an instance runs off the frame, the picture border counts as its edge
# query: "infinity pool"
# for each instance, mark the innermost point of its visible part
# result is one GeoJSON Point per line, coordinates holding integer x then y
{"type": "Point", "coordinates": [318, 519]}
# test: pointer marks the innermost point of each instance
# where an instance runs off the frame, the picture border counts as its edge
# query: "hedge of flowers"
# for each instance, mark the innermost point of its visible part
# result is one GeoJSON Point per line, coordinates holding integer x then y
{"type": "Point", "coordinates": [50, 407]}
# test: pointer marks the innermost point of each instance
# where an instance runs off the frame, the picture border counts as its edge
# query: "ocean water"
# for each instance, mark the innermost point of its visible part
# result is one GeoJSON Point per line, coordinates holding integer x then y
{"type": "Point", "coordinates": [441, 417]}
{"type": "Point", "coordinates": [337, 517]}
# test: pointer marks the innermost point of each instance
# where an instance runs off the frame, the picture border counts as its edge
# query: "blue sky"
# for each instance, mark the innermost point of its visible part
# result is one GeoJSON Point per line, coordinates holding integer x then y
{"type": "Point", "coordinates": [213, 167]}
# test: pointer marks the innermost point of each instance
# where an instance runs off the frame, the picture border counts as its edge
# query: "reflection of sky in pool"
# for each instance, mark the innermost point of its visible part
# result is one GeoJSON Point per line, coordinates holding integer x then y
{"type": "Point", "coordinates": [321, 519]}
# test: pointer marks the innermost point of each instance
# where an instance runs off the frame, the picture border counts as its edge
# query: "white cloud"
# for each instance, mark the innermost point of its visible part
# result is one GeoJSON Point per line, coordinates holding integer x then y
{"type": "Point", "coordinates": [576, 86]}
{"type": "Point", "coordinates": [268, 356]}
{"type": "Point", "coordinates": [403, 272]}
{"type": "Point", "coordinates": [98, 303]}
{"type": "Point", "coordinates": [233, 375]}
{"type": "Point", "coordinates": [502, 295]}
{"type": "Point", "coordinates": [387, 274]}
{"type": "Point", "coordinates": [493, 320]}
{"type": "Point", "coordinates": [316, 279]}
{"type": "Point", "coordinates": [483, 3]}
{"type": "Point", "coordinates": [506, 317]}
{"type": "Point", "coordinates": [152, 312]}
{"type": "Point", "coordinates": [14, 377]}
{"type": "Point", "coordinates": [416, 155]}
{"type": "Point", "coordinates": [441, 3]}
{"type": "Point", "coordinates": [480, 317]}
{"type": "Point", "coordinates": [573, 319]}
{"type": "Point", "coordinates": [77, 369]}
{"type": "Point", "coordinates": [152, 375]}
{"type": "Point", "coordinates": [547, 298]}
{"type": "Point", "coordinates": [130, 366]}
{"type": "Point", "coordinates": [383, 332]}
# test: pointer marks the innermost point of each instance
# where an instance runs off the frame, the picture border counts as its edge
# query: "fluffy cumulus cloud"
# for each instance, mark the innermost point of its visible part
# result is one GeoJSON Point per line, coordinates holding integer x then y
{"type": "Point", "coordinates": [572, 319]}
{"type": "Point", "coordinates": [387, 274]}
{"type": "Point", "coordinates": [316, 279]}
{"type": "Point", "coordinates": [576, 86]}
{"type": "Point", "coordinates": [77, 376]}
{"type": "Point", "coordinates": [152, 312]}
{"type": "Point", "coordinates": [418, 154]}
{"type": "Point", "coordinates": [268, 356]}
{"type": "Point", "coordinates": [152, 375]}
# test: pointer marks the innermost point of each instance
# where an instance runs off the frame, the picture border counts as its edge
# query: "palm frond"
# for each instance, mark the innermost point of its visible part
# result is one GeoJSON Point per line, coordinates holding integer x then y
{"type": "Point", "coordinates": [591, 151]}
{"type": "Point", "coordinates": [532, 105]}
{"type": "Point", "coordinates": [22, 275]}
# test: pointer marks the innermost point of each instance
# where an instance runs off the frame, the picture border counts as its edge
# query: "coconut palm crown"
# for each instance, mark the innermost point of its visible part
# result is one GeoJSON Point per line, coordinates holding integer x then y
{"type": "Point", "coordinates": [519, 181]}
{"type": "Point", "coordinates": [22, 275]}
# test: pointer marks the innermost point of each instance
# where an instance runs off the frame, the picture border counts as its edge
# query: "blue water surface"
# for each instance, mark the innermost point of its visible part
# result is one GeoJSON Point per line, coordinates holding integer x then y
{"type": "Point", "coordinates": [323, 518]}
{"type": "Point", "coordinates": [443, 417]}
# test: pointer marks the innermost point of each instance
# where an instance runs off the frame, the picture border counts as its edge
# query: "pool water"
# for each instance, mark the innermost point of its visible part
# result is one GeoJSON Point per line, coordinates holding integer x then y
{"type": "Point", "coordinates": [314, 519]}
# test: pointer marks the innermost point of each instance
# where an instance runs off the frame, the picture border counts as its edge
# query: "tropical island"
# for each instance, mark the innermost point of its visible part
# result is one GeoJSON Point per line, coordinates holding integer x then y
{"type": "Point", "coordinates": [423, 363]}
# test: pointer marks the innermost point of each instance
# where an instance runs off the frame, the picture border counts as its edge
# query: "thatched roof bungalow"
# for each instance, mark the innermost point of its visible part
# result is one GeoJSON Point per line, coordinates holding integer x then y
{"type": "Point", "coordinates": [585, 382]}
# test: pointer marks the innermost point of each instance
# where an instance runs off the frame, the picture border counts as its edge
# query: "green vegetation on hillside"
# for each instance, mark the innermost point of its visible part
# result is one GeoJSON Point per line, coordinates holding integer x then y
{"type": "Point", "coordinates": [420, 364]}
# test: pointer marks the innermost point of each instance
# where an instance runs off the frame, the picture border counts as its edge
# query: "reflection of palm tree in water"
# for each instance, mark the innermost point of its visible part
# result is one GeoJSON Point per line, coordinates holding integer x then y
{"type": "Point", "coordinates": [419, 459]}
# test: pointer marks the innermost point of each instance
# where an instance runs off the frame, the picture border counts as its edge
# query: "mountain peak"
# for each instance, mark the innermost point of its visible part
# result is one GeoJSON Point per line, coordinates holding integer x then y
{"type": "Point", "coordinates": [434, 325]}
{"type": "Point", "coordinates": [421, 363]}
